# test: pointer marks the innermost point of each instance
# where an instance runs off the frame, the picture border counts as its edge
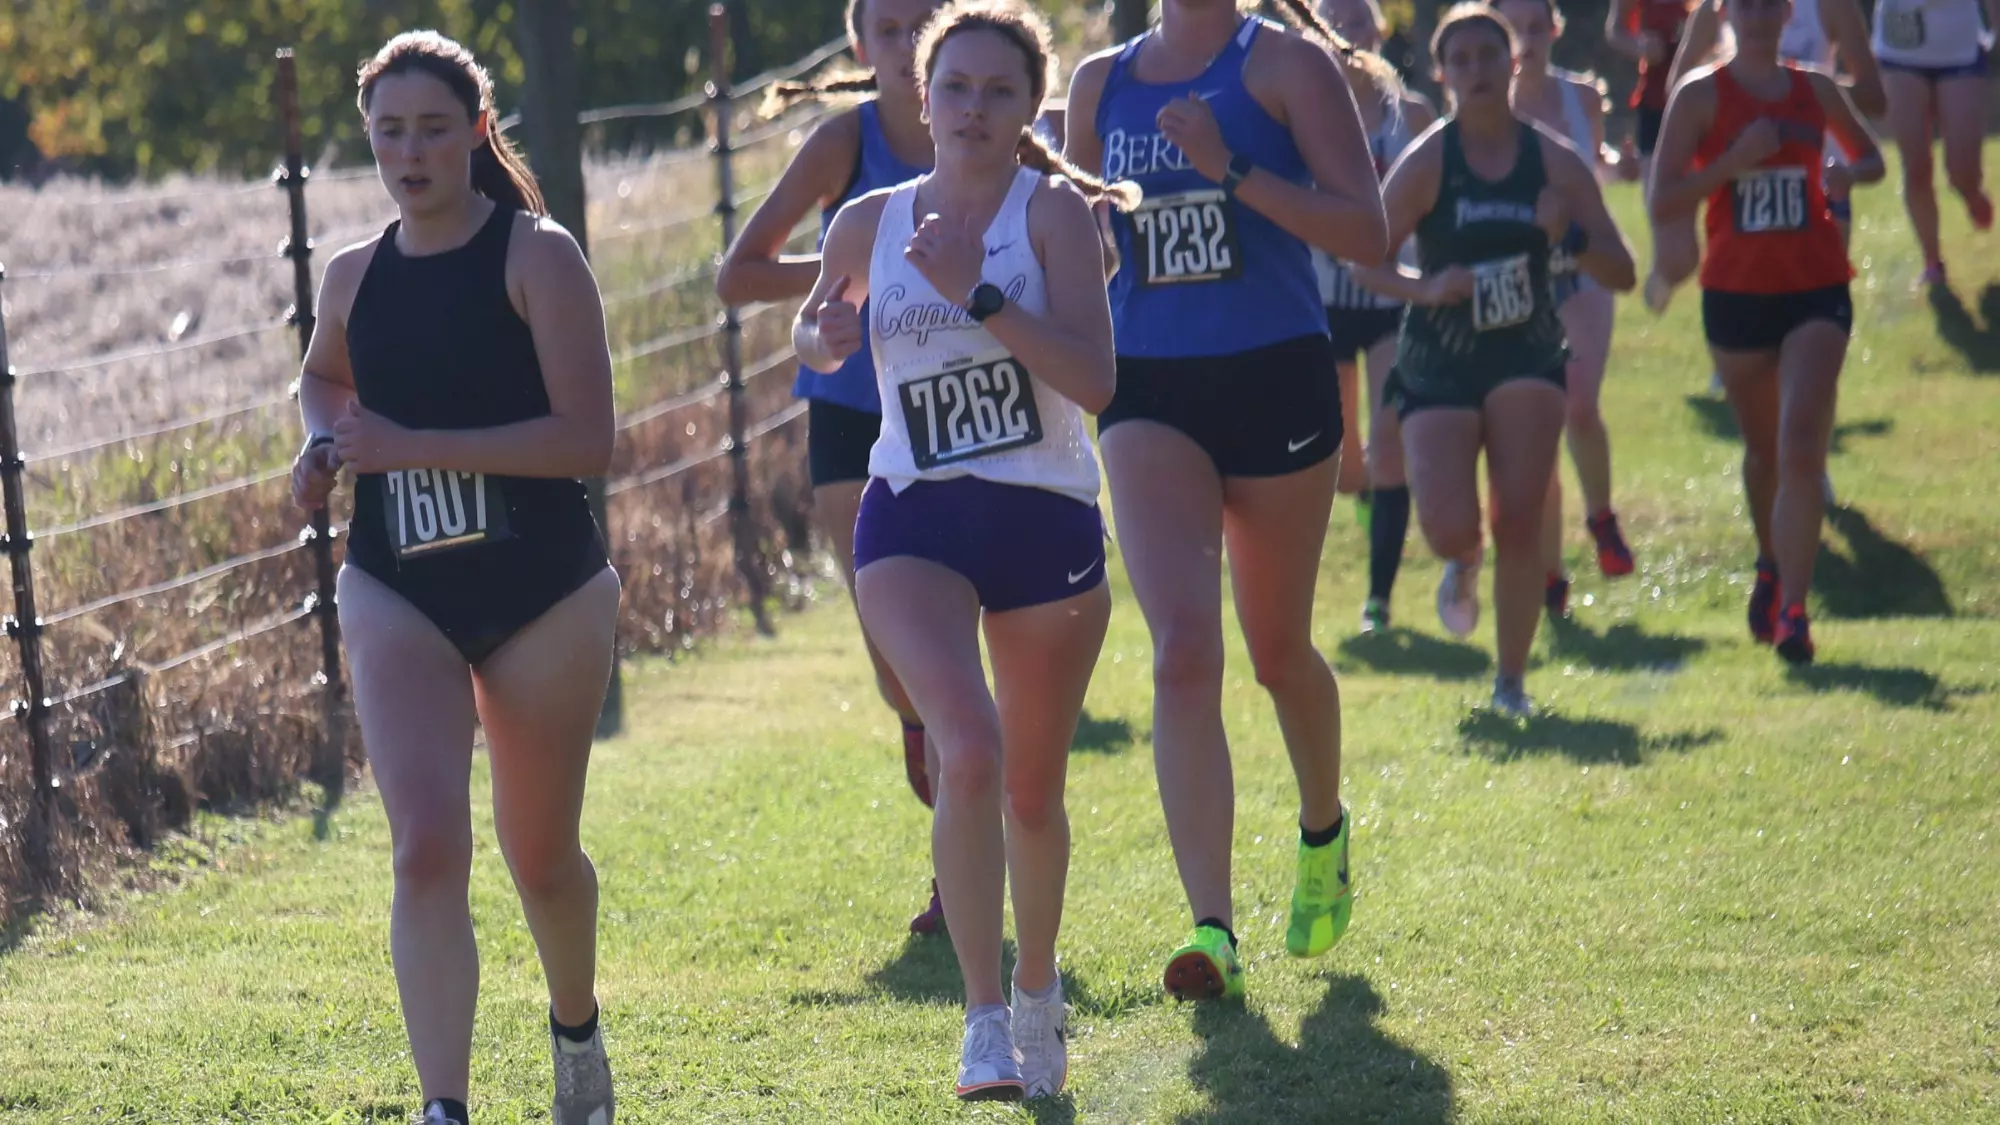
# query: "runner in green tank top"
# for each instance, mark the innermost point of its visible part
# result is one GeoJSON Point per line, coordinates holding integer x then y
{"type": "Point", "coordinates": [1480, 363]}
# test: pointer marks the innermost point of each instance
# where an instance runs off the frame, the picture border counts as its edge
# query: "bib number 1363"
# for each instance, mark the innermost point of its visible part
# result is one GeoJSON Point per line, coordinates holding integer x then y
{"type": "Point", "coordinates": [1186, 237]}
{"type": "Point", "coordinates": [1503, 293]}
{"type": "Point", "coordinates": [971, 411]}
{"type": "Point", "coordinates": [1771, 201]}
{"type": "Point", "coordinates": [431, 510]}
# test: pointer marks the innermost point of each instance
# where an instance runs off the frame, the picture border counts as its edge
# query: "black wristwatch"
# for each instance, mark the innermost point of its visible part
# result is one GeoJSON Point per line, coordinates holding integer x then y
{"type": "Point", "coordinates": [986, 299]}
{"type": "Point", "coordinates": [1239, 170]}
{"type": "Point", "coordinates": [314, 441]}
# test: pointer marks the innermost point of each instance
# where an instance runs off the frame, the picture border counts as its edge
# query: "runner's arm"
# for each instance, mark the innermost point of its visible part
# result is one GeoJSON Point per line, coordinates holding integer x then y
{"type": "Point", "coordinates": [755, 268]}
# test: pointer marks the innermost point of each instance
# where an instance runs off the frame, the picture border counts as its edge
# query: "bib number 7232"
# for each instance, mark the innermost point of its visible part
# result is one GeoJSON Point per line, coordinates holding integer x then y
{"type": "Point", "coordinates": [431, 510]}
{"type": "Point", "coordinates": [1186, 237]}
{"type": "Point", "coordinates": [972, 411]}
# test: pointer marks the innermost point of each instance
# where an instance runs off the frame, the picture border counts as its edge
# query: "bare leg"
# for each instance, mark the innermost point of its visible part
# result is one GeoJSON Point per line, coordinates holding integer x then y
{"type": "Point", "coordinates": [1910, 110]}
{"type": "Point", "coordinates": [1808, 383]}
{"type": "Point", "coordinates": [1523, 434]}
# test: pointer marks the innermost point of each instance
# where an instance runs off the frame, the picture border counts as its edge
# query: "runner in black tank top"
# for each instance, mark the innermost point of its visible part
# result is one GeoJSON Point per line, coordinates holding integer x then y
{"type": "Point", "coordinates": [460, 369]}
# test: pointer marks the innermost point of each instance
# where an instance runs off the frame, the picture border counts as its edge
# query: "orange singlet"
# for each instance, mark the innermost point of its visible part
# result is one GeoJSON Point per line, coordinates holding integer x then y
{"type": "Point", "coordinates": [1769, 230]}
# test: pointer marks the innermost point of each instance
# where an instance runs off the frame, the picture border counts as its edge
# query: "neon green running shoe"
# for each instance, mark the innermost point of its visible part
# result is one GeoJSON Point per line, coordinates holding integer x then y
{"type": "Point", "coordinates": [1322, 899]}
{"type": "Point", "coordinates": [1206, 967]}
{"type": "Point", "coordinates": [1364, 510]}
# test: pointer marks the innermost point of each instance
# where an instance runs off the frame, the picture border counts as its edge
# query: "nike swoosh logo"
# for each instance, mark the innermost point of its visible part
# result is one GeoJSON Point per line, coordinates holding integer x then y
{"type": "Point", "coordinates": [1295, 446]}
{"type": "Point", "coordinates": [1082, 574]}
{"type": "Point", "coordinates": [996, 249]}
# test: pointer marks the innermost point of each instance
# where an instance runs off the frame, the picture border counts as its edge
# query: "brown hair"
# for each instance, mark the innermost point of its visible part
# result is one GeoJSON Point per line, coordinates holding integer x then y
{"type": "Point", "coordinates": [840, 85]}
{"type": "Point", "coordinates": [1027, 31]}
{"type": "Point", "coordinates": [1306, 19]}
{"type": "Point", "coordinates": [498, 172]}
{"type": "Point", "coordinates": [1468, 13]}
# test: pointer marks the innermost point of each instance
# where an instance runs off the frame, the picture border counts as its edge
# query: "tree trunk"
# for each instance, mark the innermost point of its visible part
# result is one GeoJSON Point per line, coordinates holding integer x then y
{"type": "Point", "coordinates": [1128, 18]}
{"type": "Point", "coordinates": [544, 31]}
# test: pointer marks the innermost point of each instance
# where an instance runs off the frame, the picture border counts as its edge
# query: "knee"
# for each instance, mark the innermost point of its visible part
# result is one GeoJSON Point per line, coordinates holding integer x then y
{"type": "Point", "coordinates": [1187, 658]}
{"type": "Point", "coordinates": [1282, 663]}
{"type": "Point", "coordinates": [1581, 414]}
{"type": "Point", "coordinates": [545, 870]}
{"type": "Point", "coordinates": [431, 857]}
{"type": "Point", "coordinates": [1385, 462]}
{"type": "Point", "coordinates": [1964, 172]}
{"type": "Point", "coordinates": [1801, 453]}
{"type": "Point", "coordinates": [1035, 804]}
{"type": "Point", "coordinates": [1517, 526]}
{"type": "Point", "coordinates": [969, 768]}
{"type": "Point", "coordinates": [1917, 171]}
{"type": "Point", "coordinates": [1451, 534]}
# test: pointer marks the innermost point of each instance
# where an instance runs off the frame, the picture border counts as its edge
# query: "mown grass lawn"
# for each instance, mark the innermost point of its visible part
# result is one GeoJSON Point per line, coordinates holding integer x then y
{"type": "Point", "coordinates": [1699, 888]}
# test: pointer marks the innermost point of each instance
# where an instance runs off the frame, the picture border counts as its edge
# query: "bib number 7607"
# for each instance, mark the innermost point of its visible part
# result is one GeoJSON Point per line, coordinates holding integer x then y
{"type": "Point", "coordinates": [972, 411]}
{"type": "Point", "coordinates": [431, 510]}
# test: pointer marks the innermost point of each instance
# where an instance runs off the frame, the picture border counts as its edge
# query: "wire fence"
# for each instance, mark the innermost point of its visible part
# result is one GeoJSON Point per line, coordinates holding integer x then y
{"type": "Point", "coordinates": [174, 630]}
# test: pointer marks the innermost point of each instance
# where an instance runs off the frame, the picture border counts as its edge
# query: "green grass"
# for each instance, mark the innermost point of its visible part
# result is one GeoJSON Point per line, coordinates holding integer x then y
{"type": "Point", "coordinates": [1698, 889]}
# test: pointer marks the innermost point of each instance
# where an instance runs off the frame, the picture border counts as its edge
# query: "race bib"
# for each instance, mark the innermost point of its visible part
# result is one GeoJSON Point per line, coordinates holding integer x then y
{"type": "Point", "coordinates": [1503, 293]}
{"type": "Point", "coordinates": [1903, 28]}
{"type": "Point", "coordinates": [1186, 237]}
{"type": "Point", "coordinates": [975, 410]}
{"type": "Point", "coordinates": [1771, 200]}
{"type": "Point", "coordinates": [432, 510]}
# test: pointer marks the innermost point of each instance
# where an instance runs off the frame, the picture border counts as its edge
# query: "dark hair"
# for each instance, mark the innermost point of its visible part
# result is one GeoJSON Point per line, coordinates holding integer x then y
{"type": "Point", "coordinates": [840, 85]}
{"type": "Point", "coordinates": [1466, 14]}
{"type": "Point", "coordinates": [1027, 31]}
{"type": "Point", "coordinates": [498, 172]}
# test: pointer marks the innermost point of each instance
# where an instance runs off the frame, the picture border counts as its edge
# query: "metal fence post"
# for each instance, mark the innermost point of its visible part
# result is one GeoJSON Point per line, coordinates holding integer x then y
{"type": "Point", "coordinates": [26, 628]}
{"type": "Point", "coordinates": [741, 531]}
{"type": "Point", "coordinates": [331, 765]}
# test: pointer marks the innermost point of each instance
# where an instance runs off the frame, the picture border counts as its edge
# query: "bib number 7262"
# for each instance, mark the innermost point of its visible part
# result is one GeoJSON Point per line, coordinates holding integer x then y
{"type": "Point", "coordinates": [431, 510]}
{"type": "Point", "coordinates": [972, 411]}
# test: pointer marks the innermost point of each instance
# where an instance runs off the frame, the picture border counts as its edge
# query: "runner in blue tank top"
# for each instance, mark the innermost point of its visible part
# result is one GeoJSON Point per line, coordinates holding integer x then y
{"type": "Point", "coordinates": [1247, 143]}
{"type": "Point", "coordinates": [879, 143]}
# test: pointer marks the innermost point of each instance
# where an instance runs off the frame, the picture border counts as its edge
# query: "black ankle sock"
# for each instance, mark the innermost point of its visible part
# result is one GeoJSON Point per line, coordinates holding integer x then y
{"type": "Point", "coordinates": [578, 1034]}
{"type": "Point", "coordinates": [1388, 527]}
{"type": "Point", "coordinates": [456, 1111]}
{"type": "Point", "coordinates": [1217, 923]}
{"type": "Point", "coordinates": [1323, 837]}
{"type": "Point", "coordinates": [912, 728]}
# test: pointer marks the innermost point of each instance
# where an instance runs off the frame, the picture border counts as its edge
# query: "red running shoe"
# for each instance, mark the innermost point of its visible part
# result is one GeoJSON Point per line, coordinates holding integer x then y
{"type": "Point", "coordinates": [913, 764]}
{"type": "Point", "coordinates": [1764, 603]}
{"type": "Point", "coordinates": [1794, 636]}
{"type": "Point", "coordinates": [931, 921]}
{"type": "Point", "coordinates": [1981, 208]}
{"type": "Point", "coordinates": [1614, 558]}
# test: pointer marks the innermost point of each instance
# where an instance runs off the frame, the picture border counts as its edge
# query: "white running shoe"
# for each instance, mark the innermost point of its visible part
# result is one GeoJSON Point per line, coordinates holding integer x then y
{"type": "Point", "coordinates": [583, 1081]}
{"type": "Point", "coordinates": [1510, 698]}
{"type": "Point", "coordinates": [1041, 1035]}
{"type": "Point", "coordinates": [1826, 490]}
{"type": "Point", "coordinates": [1458, 598]}
{"type": "Point", "coordinates": [1715, 386]}
{"type": "Point", "coordinates": [434, 1114]}
{"type": "Point", "coordinates": [989, 1068]}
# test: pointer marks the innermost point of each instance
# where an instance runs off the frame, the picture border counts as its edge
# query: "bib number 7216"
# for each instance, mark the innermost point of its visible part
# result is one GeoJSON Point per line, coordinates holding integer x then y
{"type": "Point", "coordinates": [1771, 200]}
{"type": "Point", "coordinates": [431, 510]}
{"type": "Point", "coordinates": [972, 411]}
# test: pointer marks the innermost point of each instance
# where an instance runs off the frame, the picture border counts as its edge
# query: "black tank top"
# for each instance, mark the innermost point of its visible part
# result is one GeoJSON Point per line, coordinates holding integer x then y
{"type": "Point", "coordinates": [435, 343]}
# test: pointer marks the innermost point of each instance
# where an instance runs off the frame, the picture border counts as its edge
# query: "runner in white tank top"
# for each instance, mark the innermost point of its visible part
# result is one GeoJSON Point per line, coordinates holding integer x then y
{"type": "Point", "coordinates": [1934, 67]}
{"type": "Point", "coordinates": [980, 513]}
{"type": "Point", "coordinates": [955, 403]}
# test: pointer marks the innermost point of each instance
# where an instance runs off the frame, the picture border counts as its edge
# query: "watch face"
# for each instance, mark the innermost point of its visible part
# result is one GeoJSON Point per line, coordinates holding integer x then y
{"type": "Point", "coordinates": [986, 300]}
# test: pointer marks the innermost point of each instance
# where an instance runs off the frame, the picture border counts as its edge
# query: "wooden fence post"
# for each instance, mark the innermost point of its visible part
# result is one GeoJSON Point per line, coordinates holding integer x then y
{"type": "Point", "coordinates": [25, 626]}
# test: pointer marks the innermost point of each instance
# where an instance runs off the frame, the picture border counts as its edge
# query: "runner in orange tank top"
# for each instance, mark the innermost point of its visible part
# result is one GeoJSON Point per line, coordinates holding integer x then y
{"type": "Point", "coordinates": [1748, 137]}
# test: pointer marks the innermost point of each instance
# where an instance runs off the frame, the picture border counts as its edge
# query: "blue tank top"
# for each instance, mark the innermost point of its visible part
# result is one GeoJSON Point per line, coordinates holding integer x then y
{"type": "Point", "coordinates": [1199, 273]}
{"type": "Point", "coordinates": [877, 166]}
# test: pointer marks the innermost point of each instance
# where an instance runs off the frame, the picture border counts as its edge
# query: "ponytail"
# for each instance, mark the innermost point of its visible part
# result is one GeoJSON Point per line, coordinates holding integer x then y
{"type": "Point", "coordinates": [1035, 153]}
{"type": "Point", "coordinates": [1379, 70]}
{"type": "Point", "coordinates": [842, 87]}
{"type": "Point", "coordinates": [500, 174]}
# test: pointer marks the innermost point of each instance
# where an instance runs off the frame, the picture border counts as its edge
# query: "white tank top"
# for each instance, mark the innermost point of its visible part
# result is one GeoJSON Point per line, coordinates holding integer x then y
{"type": "Point", "coordinates": [954, 401]}
{"type": "Point", "coordinates": [1337, 287]}
{"type": "Point", "coordinates": [1804, 39]}
{"type": "Point", "coordinates": [1938, 33]}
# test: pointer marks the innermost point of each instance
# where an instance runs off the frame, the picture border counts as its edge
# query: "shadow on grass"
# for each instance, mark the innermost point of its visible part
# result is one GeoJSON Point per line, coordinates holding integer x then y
{"type": "Point", "coordinates": [1344, 1068]}
{"type": "Point", "coordinates": [26, 911]}
{"type": "Point", "coordinates": [1894, 687]}
{"type": "Point", "coordinates": [1719, 421]}
{"type": "Point", "coordinates": [1979, 344]}
{"type": "Point", "coordinates": [1877, 576]}
{"type": "Point", "coordinates": [1591, 741]}
{"type": "Point", "coordinates": [1102, 736]}
{"type": "Point", "coordinates": [1400, 652]}
{"type": "Point", "coordinates": [1624, 647]}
